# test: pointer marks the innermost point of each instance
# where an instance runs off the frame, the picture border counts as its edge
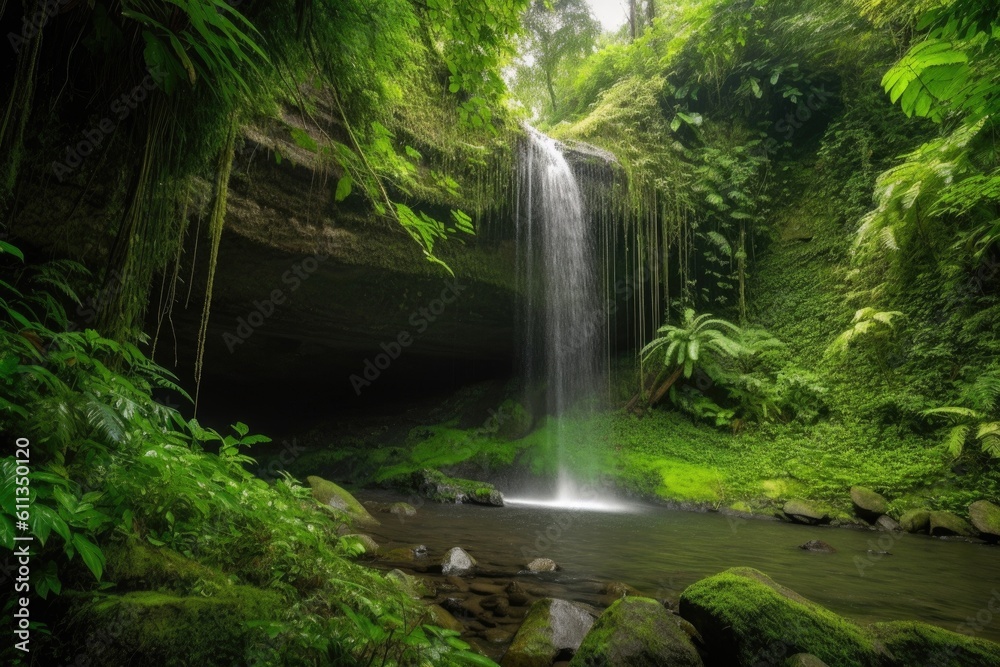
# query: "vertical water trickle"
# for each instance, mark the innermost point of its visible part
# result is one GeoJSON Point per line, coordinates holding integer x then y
{"type": "Point", "coordinates": [563, 328]}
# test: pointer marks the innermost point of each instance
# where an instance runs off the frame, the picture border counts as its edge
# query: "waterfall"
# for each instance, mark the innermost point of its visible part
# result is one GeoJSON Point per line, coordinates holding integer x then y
{"type": "Point", "coordinates": [563, 327]}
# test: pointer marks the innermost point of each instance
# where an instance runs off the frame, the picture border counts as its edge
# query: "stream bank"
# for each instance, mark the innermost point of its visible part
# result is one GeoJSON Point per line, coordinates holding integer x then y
{"type": "Point", "coordinates": [655, 553]}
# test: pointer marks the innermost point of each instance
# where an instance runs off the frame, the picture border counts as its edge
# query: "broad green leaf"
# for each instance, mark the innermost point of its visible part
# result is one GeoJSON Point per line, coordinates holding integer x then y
{"type": "Point", "coordinates": [91, 554]}
{"type": "Point", "coordinates": [344, 186]}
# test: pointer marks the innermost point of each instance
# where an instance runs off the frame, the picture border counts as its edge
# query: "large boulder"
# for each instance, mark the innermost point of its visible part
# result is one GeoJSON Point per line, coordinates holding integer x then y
{"type": "Point", "coordinates": [947, 523]}
{"type": "Point", "coordinates": [551, 629]}
{"type": "Point", "coordinates": [637, 632]}
{"type": "Point", "coordinates": [912, 643]}
{"type": "Point", "coordinates": [985, 517]}
{"type": "Point", "coordinates": [457, 562]}
{"type": "Point", "coordinates": [340, 501]}
{"type": "Point", "coordinates": [803, 511]}
{"type": "Point", "coordinates": [746, 618]}
{"type": "Point", "coordinates": [867, 504]}
{"type": "Point", "coordinates": [915, 521]}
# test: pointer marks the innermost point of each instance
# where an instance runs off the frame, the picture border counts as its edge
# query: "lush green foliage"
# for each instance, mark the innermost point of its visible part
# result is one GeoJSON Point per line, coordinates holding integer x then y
{"type": "Point", "coordinates": [557, 36]}
{"type": "Point", "coordinates": [110, 466]}
{"type": "Point", "coordinates": [681, 346]}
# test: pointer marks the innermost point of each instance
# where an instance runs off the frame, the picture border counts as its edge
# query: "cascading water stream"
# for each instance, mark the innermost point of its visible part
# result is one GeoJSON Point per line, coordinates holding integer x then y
{"type": "Point", "coordinates": [563, 324]}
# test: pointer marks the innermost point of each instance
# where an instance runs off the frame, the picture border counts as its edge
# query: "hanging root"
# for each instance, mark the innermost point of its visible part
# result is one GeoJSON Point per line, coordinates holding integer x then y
{"type": "Point", "coordinates": [215, 224]}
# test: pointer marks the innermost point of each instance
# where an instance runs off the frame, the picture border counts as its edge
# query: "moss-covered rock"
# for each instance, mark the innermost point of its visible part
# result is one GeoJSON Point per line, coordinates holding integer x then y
{"type": "Point", "coordinates": [402, 509]}
{"type": "Point", "coordinates": [542, 565]}
{"type": "Point", "coordinates": [746, 618]}
{"type": "Point", "coordinates": [804, 660]}
{"type": "Point", "coordinates": [803, 511]}
{"type": "Point", "coordinates": [818, 546]}
{"type": "Point", "coordinates": [620, 589]}
{"type": "Point", "coordinates": [367, 541]}
{"type": "Point", "coordinates": [138, 566]}
{"type": "Point", "coordinates": [550, 627]}
{"type": "Point", "coordinates": [985, 517]}
{"type": "Point", "coordinates": [415, 587]}
{"type": "Point", "coordinates": [912, 643]}
{"type": "Point", "coordinates": [887, 524]}
{"type": "Point", "coordinates": [154, 628]}
{"type": "Point", "coordinates": [440, 617]}
{"type": "Point", "coordinates": [947, 523]}
{"type": "Point", "coordinates": [868, 504]}
{"type": "Point", "coordinates": [512, 421]}
{"type": "Point", "coordinates": [339, 500]}
{"type": "Point", "coordinates": [638, 632]}
{"type": "Point", "coordinates": [915, 521]}
{"type": "Point", "coordinates": [437, 486]}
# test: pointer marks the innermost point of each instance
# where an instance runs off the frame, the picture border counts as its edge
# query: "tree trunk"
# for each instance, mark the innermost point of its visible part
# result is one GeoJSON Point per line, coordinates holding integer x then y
{"type": "Point", "coordinates": [647, 383]}
{"type": "Point", "coordinates": [650, 11]}
{"type": "Point", "coordinates": [633, 19]}
{"type": "Point", "coordinates": [660, 391]}
{"type": "Point", "coordinates": [665, 386]}
{"type": "Point", "coordinates": [552, 90]}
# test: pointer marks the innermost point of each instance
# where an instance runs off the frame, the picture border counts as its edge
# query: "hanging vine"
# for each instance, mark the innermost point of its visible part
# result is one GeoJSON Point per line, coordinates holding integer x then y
{"type": "Point", "coordinates": [216, 222]}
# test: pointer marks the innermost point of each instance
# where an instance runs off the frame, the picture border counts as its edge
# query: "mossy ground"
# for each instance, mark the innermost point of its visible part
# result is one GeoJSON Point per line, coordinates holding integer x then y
{"type": "Point", "coordinates": [153, 627]}
{"type": "Point", "coordinates": [666, 456]}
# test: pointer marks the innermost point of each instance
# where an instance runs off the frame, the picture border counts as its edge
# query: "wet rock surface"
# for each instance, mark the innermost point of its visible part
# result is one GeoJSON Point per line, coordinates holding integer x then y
{"type": "Point", "coordinates": [817, 546]}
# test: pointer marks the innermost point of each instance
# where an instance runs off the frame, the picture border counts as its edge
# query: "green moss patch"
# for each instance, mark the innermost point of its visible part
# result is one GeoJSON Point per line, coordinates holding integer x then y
{"type": "Point", "coordinates": [137, 566]}
{"type": "Point", "coordinates": [746, 618]}
{"type": "Point", "coordinates": [638, 632]}
{"type": "Point", "coordinates": [912, 643]}
{"type": "Point", "coordinates": [156, 628]}
{"type": "Point", "coordinates": [334, 497]}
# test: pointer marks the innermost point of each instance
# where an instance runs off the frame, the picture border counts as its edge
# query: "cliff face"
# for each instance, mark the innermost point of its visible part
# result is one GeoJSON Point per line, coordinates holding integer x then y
{"type": "Point", "coordinates": [313, 293]}
{"type": "Point", "coordinates": [308, 291]}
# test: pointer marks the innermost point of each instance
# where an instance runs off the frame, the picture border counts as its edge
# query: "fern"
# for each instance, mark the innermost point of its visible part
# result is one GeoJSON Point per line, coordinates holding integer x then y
{"type": "Point", "coordinates": [866, 321]}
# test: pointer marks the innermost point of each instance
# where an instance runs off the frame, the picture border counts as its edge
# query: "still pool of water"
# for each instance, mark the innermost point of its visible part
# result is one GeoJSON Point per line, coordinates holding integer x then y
{"type": "Point", "coordinates": [660, 552]}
